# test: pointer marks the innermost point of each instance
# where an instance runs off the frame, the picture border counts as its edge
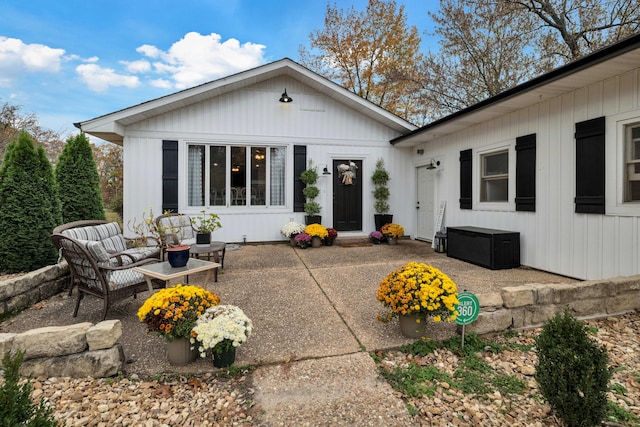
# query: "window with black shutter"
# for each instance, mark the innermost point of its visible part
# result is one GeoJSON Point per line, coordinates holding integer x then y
{"type": "Point", "coordinates": [465, 179]}
{"type": "Point", "coordinates": [590, 178]}
{"type": "Point", "coordinates": [299, 166]}
{"type": "Point", "coordinates": [526, 173]}
{"type": "Point", "coordinates": [169, 176]}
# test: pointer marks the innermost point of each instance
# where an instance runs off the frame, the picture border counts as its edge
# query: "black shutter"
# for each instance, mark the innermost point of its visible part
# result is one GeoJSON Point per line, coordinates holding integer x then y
{"type": "Point", "coordinates": [590, 166]}
{"type": "Point", "coordinates": [465, 179]}
{"type": "Point", "coordinates": [169, 176]}
{"type": "Point", "coordinates": [299, 166]}
{"type": "Point", "coordinates": [526, 173]}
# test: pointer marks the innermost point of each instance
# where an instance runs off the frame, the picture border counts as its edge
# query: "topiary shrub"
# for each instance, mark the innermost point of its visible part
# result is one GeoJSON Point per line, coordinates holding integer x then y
{"type": "Point", "coordinates": [310, 177]}
{"type": "Point", "coordinates": [381, 193]}
{"type": "Point", "coordinates": [572, 371]}
{"type": "Point", "coordinates": [78, 181]}
{"type": "Point", "coordinates": [16, 406]}
{"type": "Point", "coordinates": [30, 208]}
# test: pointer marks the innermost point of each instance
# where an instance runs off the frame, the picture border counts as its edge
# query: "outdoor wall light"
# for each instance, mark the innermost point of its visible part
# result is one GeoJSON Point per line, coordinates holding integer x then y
{"type": "Point", "coordinates": [433, 164]}
{"type": "Point", "coordinates": [285, 97]}
{"type": "Point", "coordinates": [325, 170]}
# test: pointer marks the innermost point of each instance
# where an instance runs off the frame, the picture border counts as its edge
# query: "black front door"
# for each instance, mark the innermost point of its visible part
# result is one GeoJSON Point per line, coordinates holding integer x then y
{"type": "Point", "coordinates": [347, 195]}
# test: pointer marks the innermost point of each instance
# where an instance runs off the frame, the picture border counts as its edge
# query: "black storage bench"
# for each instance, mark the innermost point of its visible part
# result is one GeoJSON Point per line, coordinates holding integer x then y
{"type": "Point", "coordinates": [494, 249]}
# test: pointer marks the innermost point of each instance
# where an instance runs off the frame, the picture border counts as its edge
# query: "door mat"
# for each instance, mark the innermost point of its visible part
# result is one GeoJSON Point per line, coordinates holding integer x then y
{"type": "Point", "coordinates": [355, 244]}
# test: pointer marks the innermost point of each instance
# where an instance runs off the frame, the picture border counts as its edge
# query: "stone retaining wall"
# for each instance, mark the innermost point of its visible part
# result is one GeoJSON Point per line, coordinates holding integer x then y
{"type": "Point", "coordinates": [21, 292]}
{"type": "Point", "coordinates": [78, 351]}
{"type": "Point", "coordinates": [528, 306]}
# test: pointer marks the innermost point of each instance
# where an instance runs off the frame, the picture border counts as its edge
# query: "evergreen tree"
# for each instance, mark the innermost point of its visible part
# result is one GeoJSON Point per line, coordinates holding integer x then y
{"type": "Point", "coordinates": [30, 207]}
{"type": "Point", "coordinates": [16, 406]}
{"type": "Point", "coordinates": [78, 181]}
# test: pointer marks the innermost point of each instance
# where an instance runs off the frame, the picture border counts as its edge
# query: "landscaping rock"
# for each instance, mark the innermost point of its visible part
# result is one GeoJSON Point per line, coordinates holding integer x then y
{"type": "Point", "coordinates": [101, 363]}
{"type": "Point", "coordinates": [104, 335]}
{"type": "Point", "coordinates": [52, 340]}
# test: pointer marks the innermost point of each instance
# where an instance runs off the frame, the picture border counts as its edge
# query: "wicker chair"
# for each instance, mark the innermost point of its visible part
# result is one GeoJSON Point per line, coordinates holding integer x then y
{"type": "Point", "coordinates": [181, 230]}
{"type": "Point", "coordinates": [96, 267]}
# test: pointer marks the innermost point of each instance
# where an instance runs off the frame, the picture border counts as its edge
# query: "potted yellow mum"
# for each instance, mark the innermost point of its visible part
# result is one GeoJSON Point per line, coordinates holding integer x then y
{"type": "Point", "coordinates": [318, 233]}
{"type": "Point", "coordinates": [392, 232]}
{"type": "Point", "coordinates": [414, 292]}
{"type": "Point", "coordinates": [172, 313]}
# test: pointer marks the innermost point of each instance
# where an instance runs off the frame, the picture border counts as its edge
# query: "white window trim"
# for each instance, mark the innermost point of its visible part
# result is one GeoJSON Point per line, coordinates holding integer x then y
{"type": "Point", "coordinates": [183, 178]}
{"type": "Point", "coordinates": [509, 205]}
{"type": "Point", "coordinates": [615, 165]}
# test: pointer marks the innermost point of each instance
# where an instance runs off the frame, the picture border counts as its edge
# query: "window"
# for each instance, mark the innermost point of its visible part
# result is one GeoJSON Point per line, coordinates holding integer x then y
{"type": "Point", "coordinates": [494, 181]}
{"type": "Point", "coordinates": [236, 175]}
{"type": "Point", "coordinates": [632, 160]}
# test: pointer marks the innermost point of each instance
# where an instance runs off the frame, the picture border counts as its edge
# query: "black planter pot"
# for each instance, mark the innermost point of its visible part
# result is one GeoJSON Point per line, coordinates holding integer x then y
{"type": "Point", "coordinates": [203, 238]}
{"type": "Point", "coordinates": [178, 257]}
{"type": "Point", "coordinates": [382, 219]}
{"type": "Point", "coordinates": [313, 219]}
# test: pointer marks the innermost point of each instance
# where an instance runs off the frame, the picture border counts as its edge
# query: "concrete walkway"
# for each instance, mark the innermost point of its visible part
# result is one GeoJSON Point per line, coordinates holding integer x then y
{"type": "Point", "coordinates": [314, 314]}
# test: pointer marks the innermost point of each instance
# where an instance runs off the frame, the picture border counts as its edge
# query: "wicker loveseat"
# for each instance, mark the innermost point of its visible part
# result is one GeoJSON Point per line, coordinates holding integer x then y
{"type": "Point", "coordinates": [101, 264]}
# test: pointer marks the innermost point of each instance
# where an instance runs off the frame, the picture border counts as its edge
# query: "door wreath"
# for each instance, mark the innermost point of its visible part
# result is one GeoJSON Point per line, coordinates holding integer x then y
{"type": "Point", "coordinates": [347, 172]}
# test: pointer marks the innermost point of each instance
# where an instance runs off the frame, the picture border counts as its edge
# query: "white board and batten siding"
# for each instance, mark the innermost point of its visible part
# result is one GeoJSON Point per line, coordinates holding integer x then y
{"type": "Point", "coordinates": [553, 238]}
{"type": "Point", "coordinates": [253, 116]}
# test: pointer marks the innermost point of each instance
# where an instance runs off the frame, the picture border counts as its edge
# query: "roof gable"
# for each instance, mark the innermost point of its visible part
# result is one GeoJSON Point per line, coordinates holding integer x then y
{"type": "Point", "coordinates": [111, 127]}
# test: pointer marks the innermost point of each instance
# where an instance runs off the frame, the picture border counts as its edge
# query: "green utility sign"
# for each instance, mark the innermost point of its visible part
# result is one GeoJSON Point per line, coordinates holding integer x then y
{"type": "Point", "coordinates": [468, 308]}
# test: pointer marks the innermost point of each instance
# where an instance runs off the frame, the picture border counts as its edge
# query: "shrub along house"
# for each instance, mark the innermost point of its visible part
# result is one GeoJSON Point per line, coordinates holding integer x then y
{"type": "Point", "coordinates": [556, 159]}
{"type": "Point", "coordinates": [236, 147]}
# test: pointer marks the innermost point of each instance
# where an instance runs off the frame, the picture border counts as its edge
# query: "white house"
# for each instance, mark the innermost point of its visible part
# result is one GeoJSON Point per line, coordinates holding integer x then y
{"type": "Point", "coordinates": [556, 159]}
{"type": "Point", "coordinates": [232, 147]}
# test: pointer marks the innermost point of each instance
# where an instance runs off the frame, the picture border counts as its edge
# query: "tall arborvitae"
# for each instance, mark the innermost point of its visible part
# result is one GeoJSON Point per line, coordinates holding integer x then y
{"type": "Point", "coordinates": [78, 181]}
{"type": "Point", "coordinates": [30, 207]}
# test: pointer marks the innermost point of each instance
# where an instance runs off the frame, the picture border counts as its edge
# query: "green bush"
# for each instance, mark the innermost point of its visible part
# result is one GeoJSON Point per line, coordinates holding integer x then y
{"type": "Point", "coordinates": [16, 406]}
{"type": "Point", "coordinates": [572, 371]}
{"type": "Point", "coordinates": [311, 192]}
{"type": "Point", "coordinates": [78, 181]}
{"type": "Point", "coordinates": [30, 207]}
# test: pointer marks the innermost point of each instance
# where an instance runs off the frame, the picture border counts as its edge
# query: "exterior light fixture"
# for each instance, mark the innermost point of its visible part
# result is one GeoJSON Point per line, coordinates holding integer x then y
{"type": "Point", "coordinates": [325, 169]}
{"type": "Point", "coordinates": [433, 164]}
{"type": "Point", "coordinates": [285, 97]}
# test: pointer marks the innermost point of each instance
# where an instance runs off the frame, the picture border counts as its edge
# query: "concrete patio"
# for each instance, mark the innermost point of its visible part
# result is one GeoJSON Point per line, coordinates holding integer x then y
{"type": "Point", "coordinates": [305, 304]}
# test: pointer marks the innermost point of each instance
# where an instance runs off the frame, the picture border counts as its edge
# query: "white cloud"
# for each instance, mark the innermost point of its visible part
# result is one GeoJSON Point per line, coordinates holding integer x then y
{"type": "Point", "coordinates": [161, 83]}
{"type": "Point", "coordinates": [148, 50]}
{"type": "Point", "coordinates": [100, 79]}
{"type": "Point", "coordinates": [140, 66]}
{"type": "Point", "coordinates": [198, 58]}
{"type": "Point", "coordinates": [17, 57]}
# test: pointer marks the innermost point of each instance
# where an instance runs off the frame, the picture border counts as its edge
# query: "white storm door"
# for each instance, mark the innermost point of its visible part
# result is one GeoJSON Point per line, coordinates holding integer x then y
{"type": "Point", "coordinates": [425, 204]}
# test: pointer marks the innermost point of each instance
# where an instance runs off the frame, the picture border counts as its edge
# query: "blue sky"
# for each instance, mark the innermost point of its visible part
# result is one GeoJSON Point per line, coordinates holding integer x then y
{"type": "Point", "coordinates": [73, 60]}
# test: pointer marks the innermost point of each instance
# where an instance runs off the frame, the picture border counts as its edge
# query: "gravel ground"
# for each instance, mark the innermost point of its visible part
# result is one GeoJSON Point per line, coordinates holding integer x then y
{"type": "Point", "coordinates": [310, 366]}
{"type": "Point", "coordinates": [331, 391]}
{"type": "Point", "coordinates": [449, 407]}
